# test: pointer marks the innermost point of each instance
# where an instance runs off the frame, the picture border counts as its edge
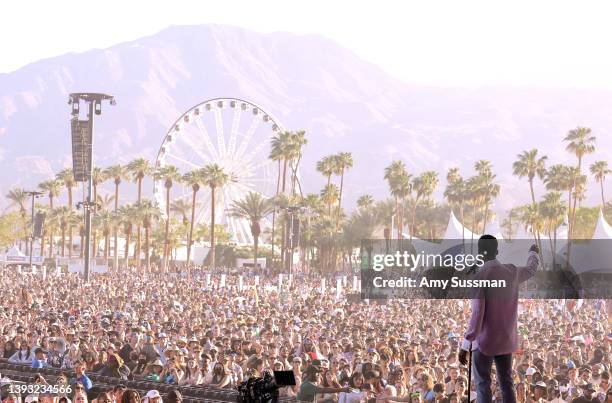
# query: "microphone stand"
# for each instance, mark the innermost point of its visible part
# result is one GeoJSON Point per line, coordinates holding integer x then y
{"type": "Point", "coordinates": [470, 375]}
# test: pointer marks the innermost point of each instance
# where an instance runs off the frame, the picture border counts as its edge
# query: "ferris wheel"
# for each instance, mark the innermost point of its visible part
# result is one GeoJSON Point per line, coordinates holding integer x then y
{"type": "Point", "coordinates": [233, 133]}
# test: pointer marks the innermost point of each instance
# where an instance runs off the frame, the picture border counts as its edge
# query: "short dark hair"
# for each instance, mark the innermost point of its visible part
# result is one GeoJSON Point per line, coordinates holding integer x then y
{"type": "Point", "coordinates": [487, 246]}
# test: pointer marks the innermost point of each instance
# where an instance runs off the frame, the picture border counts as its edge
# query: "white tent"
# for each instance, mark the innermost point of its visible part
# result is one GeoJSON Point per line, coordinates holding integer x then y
{"type": "Point", "coordinates": [456, 230]}
{"type": "Point", "coordinates": [494, 229]}
{"type": "Point", "coordinates": [456, 234]}
{"type": "Point", "coordinates": [562, 231]}
{"type": "Point", "coordinates": [15, 256]}
{"type": "Point", "coordinates": [15, 251]}
{"type": "Point", "coordinates": [421, 245]}
{"type": "Point", "coordinates": [603, 230]}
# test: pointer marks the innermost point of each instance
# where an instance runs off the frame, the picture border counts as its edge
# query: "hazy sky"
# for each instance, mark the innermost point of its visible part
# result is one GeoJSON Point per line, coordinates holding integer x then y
{"type": "Point", "coordinates": [543, 43]}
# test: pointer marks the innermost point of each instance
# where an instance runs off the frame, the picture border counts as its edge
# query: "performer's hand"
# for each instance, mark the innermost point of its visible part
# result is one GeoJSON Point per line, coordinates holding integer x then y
{"type": "Point", "coordinates": [463, 359]}
{"type": "Point", "coordinates": [534, 248]}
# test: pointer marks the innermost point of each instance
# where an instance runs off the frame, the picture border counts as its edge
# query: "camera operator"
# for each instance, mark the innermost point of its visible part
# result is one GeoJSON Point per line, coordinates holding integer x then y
{"type": "Point", "coordinates": [310, 388]}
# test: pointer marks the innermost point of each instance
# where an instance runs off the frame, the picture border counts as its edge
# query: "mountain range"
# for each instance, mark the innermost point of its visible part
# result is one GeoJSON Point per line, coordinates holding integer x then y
{"type": "Point", "coordinates": [309, 82]}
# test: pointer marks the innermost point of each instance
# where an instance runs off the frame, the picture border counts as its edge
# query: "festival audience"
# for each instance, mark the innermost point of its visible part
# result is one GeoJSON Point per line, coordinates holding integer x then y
{"type": "Point", "coordinates": [176, 331]}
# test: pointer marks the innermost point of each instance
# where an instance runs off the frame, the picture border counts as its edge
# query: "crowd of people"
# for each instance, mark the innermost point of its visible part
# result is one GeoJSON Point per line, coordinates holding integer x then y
{"type": "Point", "coordinates": [203, 330]}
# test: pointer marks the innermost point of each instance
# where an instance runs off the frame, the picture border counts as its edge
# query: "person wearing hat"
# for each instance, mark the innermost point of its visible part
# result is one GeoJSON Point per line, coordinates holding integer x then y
{"type": "Point", "coordinates": [309, 387]}
{"type": "Point", "coordinates": [539, 392]}
{"type": "Point", "coordinates": [529, 374]}
{"type": "Point", "coordinates": [55, 357]}
{"type": "Point", "coordinates": [152, 396]}
{"type": "Point", "coordinates": [492, 331]}
{"type": "Point", "coordinates": [39, 360]}
{"type": "Point", "coordinates": [154, 371]}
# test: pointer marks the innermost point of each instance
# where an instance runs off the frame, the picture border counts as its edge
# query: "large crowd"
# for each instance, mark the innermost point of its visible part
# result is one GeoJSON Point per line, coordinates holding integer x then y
{"type": "Point", "coordinates": [201, 330]}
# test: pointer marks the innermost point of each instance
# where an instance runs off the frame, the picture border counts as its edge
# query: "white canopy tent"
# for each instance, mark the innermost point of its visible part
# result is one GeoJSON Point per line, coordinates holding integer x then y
{"type": "Point", "coordinates": [456, 230]}
{"type": "Point", "coordinates": [15, 256]}
{"type": "Point", "coordinates": [421, 245]}
{"type": "Point", "coordinates": [494, 229]}
{"type": "Point", "coordinates": [603, 230]}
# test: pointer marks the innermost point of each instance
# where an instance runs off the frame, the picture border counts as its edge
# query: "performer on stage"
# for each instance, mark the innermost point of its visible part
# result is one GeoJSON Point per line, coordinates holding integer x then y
{"type": "Point", "coordinates": [492, 331]}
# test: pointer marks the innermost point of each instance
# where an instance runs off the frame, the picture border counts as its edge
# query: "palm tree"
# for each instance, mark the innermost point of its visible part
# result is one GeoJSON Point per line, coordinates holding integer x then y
{"type": "Point", "coordinates": [65, 218]}
{"type": "Point", "coordinates": [127, 216]}
{"type": "Point", "coordinates": [530, 165]}
{"type": "Point", "coordinates": [326, 167]}
{"type": "Point", "coordinates": [532, 220]}
{"type": "Point", "coordinates": [286, 146]}
{"type": "Point", "coordinates": [455, 194]}
{"type": "Point", "coordinates": [509, 223]}
{"type": "Point", "coordinates": [118, 173]}
{"type": "Point", "coordinates": [423, 185]}
{"type": "Point", "coordinates": [361, 225]}
{"type": "Point", "coordinates": [599, 170]}
{"type": "Point", "coordinates": [580, 142]}
{"type": "Point", "coordinates": [297, 142]}
{"type": "Point", "coordinates": [98, 177]}
{"type": "Point", "coordinates": [67, 178]}
{"type": "Point", "coordinates": [214, 177]}
{"type": "Point", "coordinates": [52, 188]}
{"type": "Point", "coordinates": [181, 207]}
{"type": "Point", "coordinates": [103, 202]}
{"type": "Point", "coordinates": [472, 195]}
{"type": "Point", "coordinates": [169, 175]}
{"type": "Point", "coordinates": [342, 162]}
{"type": "Point", "coordinates": [176, 235]}
{"type": "Point", "coordinates": [559, 178]}
{"type": "Point", "coordinates": [139, 168]}
{"type": "Point", "coordinates": [19, 198]}
{"type": "Point", "coordinates": [50, 229]}
{"type": "Point", "coordinates": [312, 208]}
{"type": "Point", "coordinates": [400, 187]}
{"type": "Point", "coordinates": [489, 190]}
{"type": "Point", "coordinates": [329, 195]}
{"type": "Point", "coordinates": [81, 226]}
{"type": "Point", "coordinates": [276, 154]}
{"type": "Point", "coordinates": [254, 208]}
{"type": "Point", "coordinates": [553, 214]}
{"type": "Point", "coordinates": [282, 149]}
{"type": "Point", "coordinates": [486, 189]}
{"type": "Point", "coordinates": [195, 180]}
{"type": "Point", "coordinates": [107, 221]}
{"type": "Point", "coordinates": [365, 202]}
{"type": "Point", "coordinates": [325, 238]}
{"type": "Point", "coordinates": [148, 213]}
{"type": "Point", "coordinates": [386, 210]}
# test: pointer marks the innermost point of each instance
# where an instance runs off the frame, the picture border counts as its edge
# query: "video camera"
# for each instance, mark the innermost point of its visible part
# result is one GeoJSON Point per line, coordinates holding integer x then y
{"type": "Point", "coordinates": [265, 389]}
